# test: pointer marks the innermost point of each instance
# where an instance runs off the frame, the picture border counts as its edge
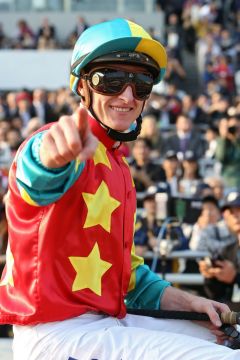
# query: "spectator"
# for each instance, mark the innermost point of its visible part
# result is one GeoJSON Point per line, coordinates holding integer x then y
{"type": "Point", "coordinates": [157, 105]}
{"type": "Point", "coordinates": [3, 107]}
{"type": "Point", "coordinates": [218, 188]}
{"type": "Point", "coordinates": [202, 108]}
{"type": "Point", "coordinates": [43, 110]}
{"type": "Point", "coordinates": [77, 31]}
{"type": "Point", "coordinates": [144, 172]}
{"type": "Point", "coordinates": [226, 270]}
{"type": "Point", "coordinates": [46, 37]}
{"type": "Point", "coordinates": [14, 139]}
{"type": "Point", "coordinates": [228, 151]}
{"type": "Point", "coordinates": [25, 37]}
{"type": "Point", "coordinates": [148, 226]}
{"type": "Point", "coordinates": [175, 73]}
{"type": "Point", "coordinates": [25, 108]}
{"type": "Point", "coordinates": [17, 123]}
{"type": "Point", "coordinates": [211, 135]}
{"type": "Point", "coordinates": [171, 167]}
{"type": "Point", "coordinates": [33, 125]}
{"type": "Point", "coordinates": [208, 74]}
{"type": "Point", "coordinates": [190, 178]}
{"type": "Point", "coordinates": [189, 108]}
{"type": "Point", "coordinates": [61, 103]}
{"type": "Point", "coordinates": [3, 38]}
{"type": "Point", "coordinates": [11, 102]}
{"type": "Point", "coordinates": [185, 138]}
{"type": "Point", "coordinates": [5, 155]}
{"type": "Point", "coordinates": [81, 26]}
{"type": "Point", "coordinates": [223, 72]}
{"type": "Point", "coordinates": [174, 36]}
{"type": "Point", "coordinates": [151, 132]}
{"type": "Point", "coordinates": [189, 32]}
{"type": "Point", "coordinates": [218, 107]}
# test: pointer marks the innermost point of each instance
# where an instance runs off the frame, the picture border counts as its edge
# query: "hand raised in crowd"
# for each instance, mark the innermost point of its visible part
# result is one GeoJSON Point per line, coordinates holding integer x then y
{"type": "Point", "coordinates": [205, 269]}
{"type": "Point", "coordinates": [68, 139]}
{"type": "Point", "coordinates": [224, 130]}
{"type": "Point", "coordinates": [224, 271]}
{"type": "Point", "coordinates": [141, 175]}
{"type": "Point", "coordinates": [207, 218]}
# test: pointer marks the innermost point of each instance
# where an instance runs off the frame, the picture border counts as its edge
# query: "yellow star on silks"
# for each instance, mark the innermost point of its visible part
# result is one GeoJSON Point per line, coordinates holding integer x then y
{"type": "Point", "coordinates": [100, 207]}
{"type": "Point", "coordinates": [8, 278]}
{"type": "Point", "coordinates": [90, 270]}
{"type": "Point", "coordinates": [100, 156]}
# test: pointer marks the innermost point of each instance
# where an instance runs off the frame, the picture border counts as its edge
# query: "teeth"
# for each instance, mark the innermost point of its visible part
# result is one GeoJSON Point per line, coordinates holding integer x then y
{"type": "Point", "coordinates": [120, 109]}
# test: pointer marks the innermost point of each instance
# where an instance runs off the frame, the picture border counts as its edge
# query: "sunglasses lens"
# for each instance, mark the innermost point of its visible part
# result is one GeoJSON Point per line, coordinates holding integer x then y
{"type": "Point", "coordinates": [143, 85]}
{"type": "Point", "coordinates": [115, 81]}
{"type": "Point", "coordinates": [112, 82]}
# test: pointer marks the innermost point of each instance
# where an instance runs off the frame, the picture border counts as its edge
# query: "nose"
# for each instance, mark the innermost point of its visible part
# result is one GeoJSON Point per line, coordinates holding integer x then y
{"type": "Point", "coordinates": [127, 94]}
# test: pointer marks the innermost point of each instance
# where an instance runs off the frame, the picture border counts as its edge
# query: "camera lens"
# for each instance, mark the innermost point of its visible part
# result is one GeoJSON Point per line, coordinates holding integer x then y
{"type": "Point", "coordinates": [232, 129]}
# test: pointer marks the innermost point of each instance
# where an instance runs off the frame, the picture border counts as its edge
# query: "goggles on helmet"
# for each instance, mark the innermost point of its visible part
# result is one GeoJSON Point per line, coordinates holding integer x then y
{"type": "Point", "coordinates": [111, 82]}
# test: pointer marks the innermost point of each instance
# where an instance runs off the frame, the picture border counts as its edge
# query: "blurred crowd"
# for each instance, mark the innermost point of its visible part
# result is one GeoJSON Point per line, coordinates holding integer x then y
{"type": "Point", "coordinates": [186, 161]}
{"type": "Point", "coordinates": [43, 37]}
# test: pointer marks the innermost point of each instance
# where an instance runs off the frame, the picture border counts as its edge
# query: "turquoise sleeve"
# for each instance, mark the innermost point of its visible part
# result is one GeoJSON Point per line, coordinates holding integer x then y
{"type": "Point", "coordinates": [43, 185]}
{"type": "Point", "coordinates": [148, 290]}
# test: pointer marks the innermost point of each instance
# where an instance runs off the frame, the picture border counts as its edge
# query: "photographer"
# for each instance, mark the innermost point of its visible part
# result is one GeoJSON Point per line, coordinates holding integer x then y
{"type": "Point", "coordinates": [228, 151]}
{"type": "Point", "coordinates": [147, 229]}
{"type": "Point", "coordinates": [222, 271]}
{"type": "Point", "coordinates": [227, 271]}
{"type": "Point", "coordinates": [213, 234]}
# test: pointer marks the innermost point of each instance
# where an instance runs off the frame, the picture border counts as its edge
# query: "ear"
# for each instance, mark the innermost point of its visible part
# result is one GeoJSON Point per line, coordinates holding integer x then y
{"type": "Point", "coordinates": [80, 89]}
{"type": "Point", "coordinates": [83, 91]}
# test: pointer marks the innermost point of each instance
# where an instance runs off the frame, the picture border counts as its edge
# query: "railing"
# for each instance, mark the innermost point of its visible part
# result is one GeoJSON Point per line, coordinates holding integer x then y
{"type": "Point", "coordinates": [178, 277]}
{"type": "Point", "coordinates": [184, 279]}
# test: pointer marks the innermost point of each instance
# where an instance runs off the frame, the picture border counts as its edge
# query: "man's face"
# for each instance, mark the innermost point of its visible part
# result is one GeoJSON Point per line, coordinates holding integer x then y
{"type": "Point", "coordinates": [150, 206]}
{"type": "Point", "coordinates": [184, 124]}
{"type": "Point", "coordinates": [210, 212]}
{"type": "Point", "coordinates": [140, 150]}
{"type": "Point", "coordinates": [171, 165]}
{"type": "Point", "coordinates": [118, 111]}
{"type": "Point", "coordinates": [232, 218]}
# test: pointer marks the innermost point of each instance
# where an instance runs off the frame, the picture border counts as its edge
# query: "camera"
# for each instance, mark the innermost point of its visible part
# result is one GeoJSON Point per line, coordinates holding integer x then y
{"type": "Point", "coordinates": [232, 130]}
{"type": "Point", "coordinates": [212, 260]}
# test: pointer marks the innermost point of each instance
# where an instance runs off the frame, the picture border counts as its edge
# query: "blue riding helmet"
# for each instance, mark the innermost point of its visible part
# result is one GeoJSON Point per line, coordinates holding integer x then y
{"type": "Point", "coordinates": [113, 37]}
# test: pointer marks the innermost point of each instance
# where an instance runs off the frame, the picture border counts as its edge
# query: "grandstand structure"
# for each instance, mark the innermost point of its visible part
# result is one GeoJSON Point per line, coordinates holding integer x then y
{"type": "Point", "coordinates": [63, 15]}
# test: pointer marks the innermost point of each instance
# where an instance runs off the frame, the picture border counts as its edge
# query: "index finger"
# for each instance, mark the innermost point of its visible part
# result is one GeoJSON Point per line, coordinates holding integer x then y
{"type": "Point", "coordinates": [81, 120]}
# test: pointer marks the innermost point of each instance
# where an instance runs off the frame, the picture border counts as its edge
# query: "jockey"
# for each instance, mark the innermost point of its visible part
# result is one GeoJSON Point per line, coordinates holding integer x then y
{"type": "Point", "coordinates": [71, 268]}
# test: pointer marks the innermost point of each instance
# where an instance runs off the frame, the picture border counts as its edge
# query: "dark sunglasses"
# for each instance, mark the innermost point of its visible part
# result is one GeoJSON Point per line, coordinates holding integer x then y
{"type": "Point", "coordinates": [113, 82]}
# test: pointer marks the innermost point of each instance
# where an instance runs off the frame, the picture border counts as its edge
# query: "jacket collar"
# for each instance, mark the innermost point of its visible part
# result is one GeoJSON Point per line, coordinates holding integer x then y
{"type": "Point", "coordinates": [101, 133]}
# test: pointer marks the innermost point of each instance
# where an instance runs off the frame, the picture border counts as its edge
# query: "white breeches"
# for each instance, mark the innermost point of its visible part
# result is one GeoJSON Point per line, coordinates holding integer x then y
{"type": "Point", "coordinates": [98, 337]}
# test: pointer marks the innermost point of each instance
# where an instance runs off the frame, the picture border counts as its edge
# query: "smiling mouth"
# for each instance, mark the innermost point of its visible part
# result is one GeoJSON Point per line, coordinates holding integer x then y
{"type": "Point", "coordinates": [121, 109]}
